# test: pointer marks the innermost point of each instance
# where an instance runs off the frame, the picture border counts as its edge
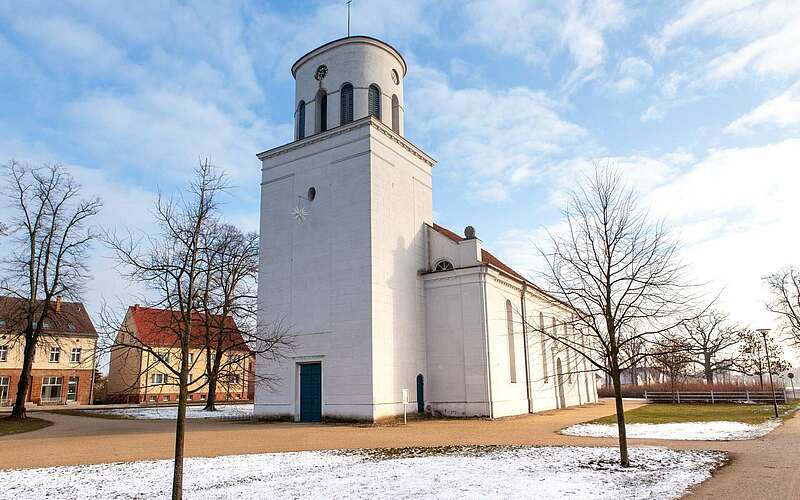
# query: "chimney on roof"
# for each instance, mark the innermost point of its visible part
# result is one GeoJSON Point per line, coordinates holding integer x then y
{"type": "Point", "coordinates": [136, 307]}
{"type": "Point", "coordinates": [58, 304]}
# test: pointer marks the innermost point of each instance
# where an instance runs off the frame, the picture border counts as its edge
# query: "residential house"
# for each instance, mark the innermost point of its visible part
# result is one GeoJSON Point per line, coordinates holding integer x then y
{"type": "Point", "coordinates": [64, 358]}
{"type": "Point", "coordinates": [147, 345]}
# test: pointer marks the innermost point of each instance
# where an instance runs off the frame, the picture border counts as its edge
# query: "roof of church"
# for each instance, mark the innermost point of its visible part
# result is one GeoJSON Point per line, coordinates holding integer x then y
{"type": "Point", "coordinates": [486, 256]}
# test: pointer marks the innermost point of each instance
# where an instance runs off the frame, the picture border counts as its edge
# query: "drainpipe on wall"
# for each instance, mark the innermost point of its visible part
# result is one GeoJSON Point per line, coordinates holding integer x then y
{"type": "Point", "coordinates": [525, 346]}
{"type": "Point", "coordinates": [485, 321]}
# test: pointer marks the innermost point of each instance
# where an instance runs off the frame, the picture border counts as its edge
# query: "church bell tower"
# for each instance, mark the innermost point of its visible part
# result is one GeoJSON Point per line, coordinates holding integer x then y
{"type": "Point", "coordinates": [343, 240]}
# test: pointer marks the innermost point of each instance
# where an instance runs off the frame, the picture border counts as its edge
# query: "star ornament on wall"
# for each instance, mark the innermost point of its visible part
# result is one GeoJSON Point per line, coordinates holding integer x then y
{"type": "Point", "coordinates": [300, 213]}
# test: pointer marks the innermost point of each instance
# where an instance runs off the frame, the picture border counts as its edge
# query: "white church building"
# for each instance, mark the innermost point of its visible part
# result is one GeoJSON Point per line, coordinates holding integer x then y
{"type": "Point", "coordinates": [382, 302]}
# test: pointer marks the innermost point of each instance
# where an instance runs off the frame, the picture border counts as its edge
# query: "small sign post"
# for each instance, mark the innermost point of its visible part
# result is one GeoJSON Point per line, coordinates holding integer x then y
{"type": "Point", "coordinates": [405, 404]}
{"type": "Point", "coordinates": [791, 379]}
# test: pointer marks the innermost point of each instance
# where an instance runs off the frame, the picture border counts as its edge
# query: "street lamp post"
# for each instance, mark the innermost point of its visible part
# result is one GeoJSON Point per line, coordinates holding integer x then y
{"type": "Point", "coordinates": [764, 332]}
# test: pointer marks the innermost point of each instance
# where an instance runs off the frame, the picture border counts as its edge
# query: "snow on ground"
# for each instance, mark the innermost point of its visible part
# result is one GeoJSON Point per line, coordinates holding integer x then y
{"type": "Point", "coordinates": [451, 472]}
{"type": "Point", "coordinates": [171, 412]}
{"type": "Point", "coordinates": [685, 431]}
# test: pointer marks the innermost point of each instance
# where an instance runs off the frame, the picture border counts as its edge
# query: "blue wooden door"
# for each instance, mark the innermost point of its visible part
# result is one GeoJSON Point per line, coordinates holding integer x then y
{"type": "Point", "coordinates": [311, 392]}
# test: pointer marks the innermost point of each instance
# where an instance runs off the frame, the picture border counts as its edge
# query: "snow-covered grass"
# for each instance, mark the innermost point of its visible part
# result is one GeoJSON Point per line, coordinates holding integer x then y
{"type": "Point", "coordinates": [171, 412]}
{"type": "Point", "coordinates": [451, 472]}
{"type": "Point", "coordinates": [682, 431]}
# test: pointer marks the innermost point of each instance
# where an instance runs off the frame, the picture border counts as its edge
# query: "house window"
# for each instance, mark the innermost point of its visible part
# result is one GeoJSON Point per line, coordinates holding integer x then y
{"type": "Point", "coordinates": [72, 389]}
{"type": "Point", "coordinates": [4, 383]}
{"type": "Point", "coordinates": [71, 327]}
{"type": "Point", "coordinates": [55, 354]}
{"type": "Point", "coordinates": [189, 378]}
{"type": "Point", "coordinates": [544, 347]}
{"type": "Point", "coordinates": [163, 357]}
{"type": "Point", "coordinates": [158, 379]}
{"type": "Point", "coordinates": [75, 355]}
{"type": "Point", "coordinates": [191, 358]}
{"type": "Point", "coordinates": [346, 103]}
{"type": "Point", "coordinates": [45, 325]}
{"type": "Point", "coordinates": [51, 388]}
{"type": "Point", "coordinates": [395, 114]}
{"type": "Point", "coordinates": [165, 398]}
{"type": "Point", "coordinates": [443, 265]}
{"type": "Point", "coordinates": [190, 397]}
{"type": "Point", "coordinates": [374, 102]}
{"type": "Point", "coordinates": [3, 353]}
{"type": "Point", "coordinates": [232, 379]}
{"type": "Point", "coordinates": [153, 399]}
{"type": "Point", "coordinates": [2, 322]}
{"type": "Point", "coordinates": [301, 120]}
{"type": "Point", "coordinates": [322, 111]}
{"type": "Point", "coordinates": [203, 397]}
{"type": "Point", "coordinates": [512, 357]}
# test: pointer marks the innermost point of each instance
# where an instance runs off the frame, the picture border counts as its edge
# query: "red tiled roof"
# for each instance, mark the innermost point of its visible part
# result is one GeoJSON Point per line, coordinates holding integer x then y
{"type": "Point", "coordinates": [160, 328]}
{"type": "Point", "coordinates": [70, 319]}
{"type": "Point", "coordinates": [486, 256]}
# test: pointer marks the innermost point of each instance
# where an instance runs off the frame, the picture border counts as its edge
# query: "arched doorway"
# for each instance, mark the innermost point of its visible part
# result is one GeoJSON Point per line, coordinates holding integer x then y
{"type": "Point", "coordinates": [562, 403]}
{"type": "Point", "coordinates": [420, 394]}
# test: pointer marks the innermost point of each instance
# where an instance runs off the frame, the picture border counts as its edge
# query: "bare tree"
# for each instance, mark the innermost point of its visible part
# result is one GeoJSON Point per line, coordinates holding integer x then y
{"type": "Point", "coordinates": [672, 357]}
{"type": "Point", "coordinates": [711, 340]}
{"type": "Point", "coordinates": [752, 357]}
{"type": "Point", "coordinates": [200, 275]}
{"type": "Point", "coordinates": [784, 287]}
{"type": "Point", "coordinates": [170, 266]}
{"type": "Point", "coordinates": [50, 239]}
{"type": "Point", "coordinates": [229, 306]}
{"type": "Point", "coordinates": [619, 273]}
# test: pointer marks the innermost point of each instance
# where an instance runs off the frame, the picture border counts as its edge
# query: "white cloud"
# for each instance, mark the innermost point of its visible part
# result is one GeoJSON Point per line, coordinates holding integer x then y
{"type": "Point", "coordinates": [165, 131]}
{"type": "Point", "coordinates": [782, 111]}
{"type": "Point", "coordinates": [632, 73]}
{"type": "Point", "coordinates": [733, 209]}
{"type": "Point", "coordinates": [534, 31]}
{"type": "Point", "coordinates": [713, 42]}
{"type": "Point", "coordinates": [484, 135]}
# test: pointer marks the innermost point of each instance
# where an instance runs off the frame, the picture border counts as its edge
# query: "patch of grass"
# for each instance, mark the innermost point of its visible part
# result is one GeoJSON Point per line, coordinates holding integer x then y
{"type": "Point", "coordinates": [15, 426]}
{"type": "Point", "coordinates": [671, 413]}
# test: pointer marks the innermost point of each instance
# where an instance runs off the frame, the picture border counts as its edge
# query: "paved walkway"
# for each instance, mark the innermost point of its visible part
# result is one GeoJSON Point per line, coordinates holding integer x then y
{"type": "Point", "coordinates": [763, 468]}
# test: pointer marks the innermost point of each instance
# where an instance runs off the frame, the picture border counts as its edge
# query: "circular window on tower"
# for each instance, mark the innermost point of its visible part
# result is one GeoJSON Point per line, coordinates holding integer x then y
{"type": "Point", "coordinates": [321, 72]}
{"type": "Point", "coordinates": [395, 77]}
{"type": "Point", "coordinates": [312, 193]}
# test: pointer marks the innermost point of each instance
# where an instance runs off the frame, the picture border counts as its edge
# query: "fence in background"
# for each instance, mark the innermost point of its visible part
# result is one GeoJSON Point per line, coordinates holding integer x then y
{"type": "Point", "coordinates": [715, 397]}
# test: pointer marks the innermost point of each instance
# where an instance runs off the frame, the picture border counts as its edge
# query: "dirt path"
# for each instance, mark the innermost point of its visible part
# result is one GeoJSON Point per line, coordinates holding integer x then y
{"type": "Point", "coordinates": [85, 440]}
{"type": "Point", "coordinates": [763, 468]}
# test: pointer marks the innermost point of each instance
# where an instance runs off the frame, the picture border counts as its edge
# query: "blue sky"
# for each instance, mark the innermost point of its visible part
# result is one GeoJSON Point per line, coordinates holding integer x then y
{"type": "Point", "coordinates": [697, 102]}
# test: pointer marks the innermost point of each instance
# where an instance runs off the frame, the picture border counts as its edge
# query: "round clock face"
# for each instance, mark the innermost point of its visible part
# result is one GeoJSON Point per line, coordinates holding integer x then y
{"type": "Point", "coordinates": [395, 77]}
{"type": "Point", "coordinates": [322, 71]}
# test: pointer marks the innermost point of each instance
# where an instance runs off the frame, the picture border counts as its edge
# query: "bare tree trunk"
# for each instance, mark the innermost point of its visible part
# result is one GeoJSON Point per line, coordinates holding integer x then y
{"type": "Point", "coordinates": [623, 437]}
{"type": "Point", "coordinates": [23, 384]}
{"type": "Point", "coordinates": [212, 395]}
{"type": "Point", "coordinates": [708, 370]}
{"type": "Point", "coordinates": [180, 425]}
